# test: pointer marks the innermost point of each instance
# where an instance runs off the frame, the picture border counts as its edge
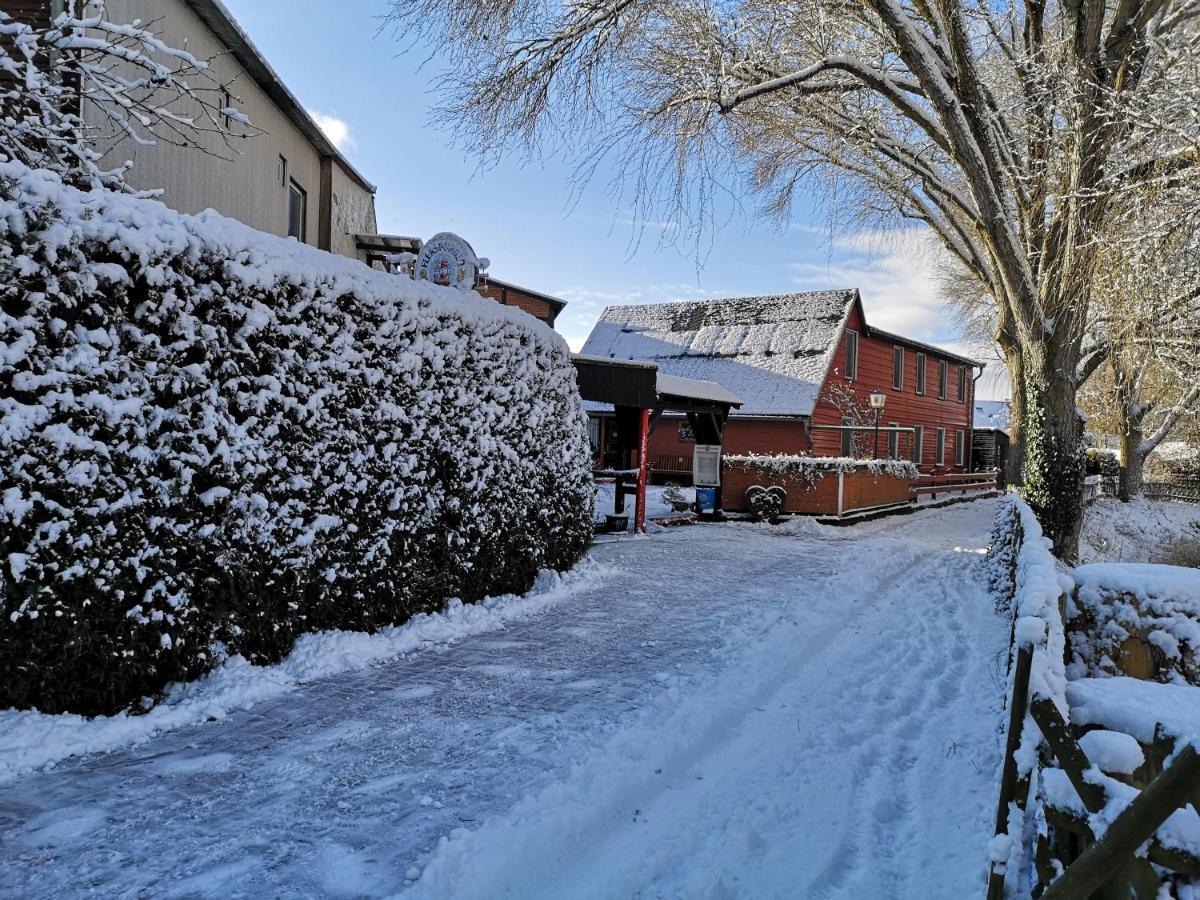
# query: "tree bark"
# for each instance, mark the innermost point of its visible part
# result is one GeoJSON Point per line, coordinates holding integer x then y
{"type": "Point", "coordinates": [1014, 466]}
{"type": "Point", "coordinates": [1051, 432]}
{"type": "Point", "coordinates": [1132, 460]}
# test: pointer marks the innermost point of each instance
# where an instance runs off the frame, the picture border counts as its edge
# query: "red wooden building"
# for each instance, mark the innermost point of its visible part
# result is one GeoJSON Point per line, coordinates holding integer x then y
{"type": "Point", "coordinates": [805, 365]}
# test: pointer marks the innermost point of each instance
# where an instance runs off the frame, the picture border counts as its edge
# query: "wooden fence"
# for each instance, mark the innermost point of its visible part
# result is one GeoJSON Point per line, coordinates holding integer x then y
{"type": "Point", "coordinates": [1069, 861]}
{"type": "Point", "coordinates": [964, 482]}
{"type": "Point", "coordinates": [1182, 490]}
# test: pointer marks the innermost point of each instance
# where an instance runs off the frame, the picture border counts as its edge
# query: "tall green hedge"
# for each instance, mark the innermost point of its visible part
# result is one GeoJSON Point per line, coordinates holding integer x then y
{"type": "Point", "coordinates": [213, 440]}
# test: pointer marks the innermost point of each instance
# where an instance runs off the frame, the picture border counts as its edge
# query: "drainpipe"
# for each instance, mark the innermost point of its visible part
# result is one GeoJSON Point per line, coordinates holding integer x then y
{"type": "Point", "coordinates": [971, 419]}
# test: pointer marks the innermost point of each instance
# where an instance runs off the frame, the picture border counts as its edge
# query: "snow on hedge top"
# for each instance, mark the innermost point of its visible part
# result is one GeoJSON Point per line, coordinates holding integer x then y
{"type": "Point", "coordinates": [147, 231]}
{"type": "Point", "coordinates": [1135, 707]}
{"type": "Point", "coordinates": [773, 352]}
{"type": "Point", "coordinates": [1145, 581]}
{"type": "Point", "coordinates": [782, 464]}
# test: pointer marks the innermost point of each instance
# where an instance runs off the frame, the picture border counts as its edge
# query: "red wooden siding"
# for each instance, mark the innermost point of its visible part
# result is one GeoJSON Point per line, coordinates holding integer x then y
{"type": "Point", "coordinates": [904, 407]}
{"type": "Point", "coordinates": [511, 295]}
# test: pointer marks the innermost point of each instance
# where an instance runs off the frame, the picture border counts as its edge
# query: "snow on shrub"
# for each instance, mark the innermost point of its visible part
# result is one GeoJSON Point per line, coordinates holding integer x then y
{"type": "Point", "coordinates": [1157, 605]}
{"type": "Point", "coordinates": [213, 440]}
{"type": "Point", "coordinates": [812, 468]}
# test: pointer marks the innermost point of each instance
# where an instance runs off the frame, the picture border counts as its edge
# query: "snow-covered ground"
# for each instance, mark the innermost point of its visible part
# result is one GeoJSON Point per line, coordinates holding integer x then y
{"type": "Point", "coordinates": [657, 506]}
{"type": "Point", "coordinates": [727, 711]}
{"type": "Point", "coordinates": [1139, 531]}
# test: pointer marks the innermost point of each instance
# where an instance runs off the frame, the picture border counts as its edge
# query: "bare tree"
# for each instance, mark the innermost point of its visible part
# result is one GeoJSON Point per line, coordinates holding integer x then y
{"type": "Point", "coordinates": [1147, 316]}
{"type": "Point", "coordinates": [1007, 127]}
{"type": "Point", "coordinates": [72, 88]}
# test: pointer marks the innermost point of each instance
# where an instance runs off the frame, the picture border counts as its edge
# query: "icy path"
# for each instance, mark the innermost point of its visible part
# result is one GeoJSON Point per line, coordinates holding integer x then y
{"type": "Point", "coordinates": [735, 712]}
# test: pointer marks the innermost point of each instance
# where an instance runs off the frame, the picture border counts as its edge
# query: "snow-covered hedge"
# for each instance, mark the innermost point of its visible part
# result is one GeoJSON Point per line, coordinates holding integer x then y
{"type": "Point", "coordinates": [1159, 605]}
{"type": "Point", "coordinates": [212, 440]}
{"type": "Point", "coordinates": [810, 468]}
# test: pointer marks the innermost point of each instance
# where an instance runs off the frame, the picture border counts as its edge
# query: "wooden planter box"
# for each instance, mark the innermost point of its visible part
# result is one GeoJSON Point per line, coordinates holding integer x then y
{"type": "Point", "coordinates": [817, 487]}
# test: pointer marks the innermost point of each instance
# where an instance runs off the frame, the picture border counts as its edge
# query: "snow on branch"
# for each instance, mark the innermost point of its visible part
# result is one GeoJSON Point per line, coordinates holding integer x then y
{"type": "Point", "coordinates": [76, 88]}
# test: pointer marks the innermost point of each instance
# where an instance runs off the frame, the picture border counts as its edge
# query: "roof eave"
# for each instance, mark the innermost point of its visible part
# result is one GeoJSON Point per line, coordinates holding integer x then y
{"type": "Point", "coordinates": [221, 22]}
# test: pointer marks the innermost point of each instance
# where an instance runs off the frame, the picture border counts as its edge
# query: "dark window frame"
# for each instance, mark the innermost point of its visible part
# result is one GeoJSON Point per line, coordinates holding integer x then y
{"type": "Point", "coordinates": [893, 441]}
{"type": "Point", "coordinates": [962, 384]}
{"type": "Point", "coordinates": [295, 190]}
{"type": "Point", "coordinates": [851, 355]}
{"type": "Point", "coordinates": [943, 379]}
{"type": "Point", "coordinates": [918, 444]}
{"type": "Point", "coordinates": [960, 447]}
{"type": "Point", "coordinates": [897, 368]}
{"type": "Point", "coordinates": [939, 447]}
{"type": "Point", "coordinates": [847, 444]}
{"type": "Point", "coordinates": [920, 385]}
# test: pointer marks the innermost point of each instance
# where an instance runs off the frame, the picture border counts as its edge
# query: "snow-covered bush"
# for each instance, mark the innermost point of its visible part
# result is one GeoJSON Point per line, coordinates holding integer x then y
{"type": "Point", "coordinates": [212, 440]}
{"type": "Point", "coordinates": [1003, 548]}
{"type": "Point", "coordinates": [812, 468]}
{"type": "Point", "coordinates": [1158, 607]}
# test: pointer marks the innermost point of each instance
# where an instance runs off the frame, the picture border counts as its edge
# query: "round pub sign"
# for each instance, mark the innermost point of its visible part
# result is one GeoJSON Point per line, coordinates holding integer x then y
{"type": "Point", "coordinates": [448, 260]}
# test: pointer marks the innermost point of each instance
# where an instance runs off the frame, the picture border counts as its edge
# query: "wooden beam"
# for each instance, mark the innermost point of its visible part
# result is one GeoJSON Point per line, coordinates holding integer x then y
{"type": "Point", "coordinates": [1068, 753]}
{"type": "Point", "coordinates": [1099, 862]}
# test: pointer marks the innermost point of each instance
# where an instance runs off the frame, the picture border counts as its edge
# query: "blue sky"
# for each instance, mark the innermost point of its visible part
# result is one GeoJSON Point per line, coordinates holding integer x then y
{"type": "Point", "coordinates": [373, 92]}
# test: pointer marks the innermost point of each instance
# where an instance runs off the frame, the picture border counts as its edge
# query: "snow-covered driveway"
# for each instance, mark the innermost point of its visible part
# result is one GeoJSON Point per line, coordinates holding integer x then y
{"type": "Point", "coordinates": [733, 711]}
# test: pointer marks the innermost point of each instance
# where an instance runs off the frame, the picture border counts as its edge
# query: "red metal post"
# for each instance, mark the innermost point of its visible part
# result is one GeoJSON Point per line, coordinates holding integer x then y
{"type": "Point", "coordinates": [639, 509]}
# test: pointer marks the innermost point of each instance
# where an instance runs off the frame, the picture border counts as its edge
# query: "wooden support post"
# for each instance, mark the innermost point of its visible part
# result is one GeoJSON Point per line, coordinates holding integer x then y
{"type": "Point", "coordinates": [639, 508]}
{"type": "Point", "coordinates": [1018, 703]}
{"type": "Point", "coordinates": [1099, 862]}
{"type": "Point", "coordinates": [1068, 753]}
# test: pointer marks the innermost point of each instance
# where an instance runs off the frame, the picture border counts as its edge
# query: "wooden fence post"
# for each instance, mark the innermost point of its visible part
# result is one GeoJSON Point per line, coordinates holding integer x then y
{"type": "Point", "coordinates": [1172, 789]}
{"type": "Point", "coordinates": [1008, 778]}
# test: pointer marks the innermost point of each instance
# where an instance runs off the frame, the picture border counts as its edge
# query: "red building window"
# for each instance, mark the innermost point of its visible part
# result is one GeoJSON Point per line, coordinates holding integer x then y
{"type": "Point", "coordinates": [893, 450]}
{"type": "Point", "coordinates": [920, 373]}
{"type": "Point", "coordinates": [918, 443]}
{"type": "Point", "coordinates": [943, 378]}
{"type": "Point", "coordinates": [851, 355]}
{"type": "Point", "coordinates": [960, 447]}
{"type": "Point", "coordinates": [962, 384]}
{"type": "Point", "coordinates": [897, 368]}
{"type": "Point", "coordinates": [939, 448]}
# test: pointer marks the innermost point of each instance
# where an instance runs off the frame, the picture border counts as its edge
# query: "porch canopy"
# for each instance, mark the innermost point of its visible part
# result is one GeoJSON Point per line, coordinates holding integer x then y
{"type": "Point", "coordinates": [639, 394]}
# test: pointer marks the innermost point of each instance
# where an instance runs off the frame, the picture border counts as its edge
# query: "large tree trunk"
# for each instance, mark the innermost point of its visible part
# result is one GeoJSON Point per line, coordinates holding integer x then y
{"type": "Point", "coordinates": [1016, 379]}
{"type": "Point", "coordinates": [1132, 462]}
{"type": "Point", "coordinates": [1051, 432]}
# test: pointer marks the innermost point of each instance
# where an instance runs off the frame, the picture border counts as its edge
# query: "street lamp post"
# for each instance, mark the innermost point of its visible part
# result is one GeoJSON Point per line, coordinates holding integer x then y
{"type": "Point", "coordinates": [878, 400]}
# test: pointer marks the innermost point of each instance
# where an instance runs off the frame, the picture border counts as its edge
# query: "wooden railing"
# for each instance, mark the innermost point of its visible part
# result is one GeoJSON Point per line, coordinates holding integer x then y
{"type": "Point", "coordinates": [955, 481]}
{"type": "Point", "coordinates": [675, 465]}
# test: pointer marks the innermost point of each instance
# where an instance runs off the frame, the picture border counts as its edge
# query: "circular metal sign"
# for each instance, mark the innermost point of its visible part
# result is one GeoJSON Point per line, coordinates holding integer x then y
{"type": "Point", "coordinates": [448, 260]}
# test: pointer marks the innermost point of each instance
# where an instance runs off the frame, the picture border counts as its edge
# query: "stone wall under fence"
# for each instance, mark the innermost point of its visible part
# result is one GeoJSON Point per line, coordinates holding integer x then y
{"type": "Point", "coordinates": [818, 485]}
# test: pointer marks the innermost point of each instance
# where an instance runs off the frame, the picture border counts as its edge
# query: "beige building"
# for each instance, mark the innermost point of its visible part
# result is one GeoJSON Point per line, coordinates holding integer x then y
{"type": "Point", "coordinates": [283, 176]}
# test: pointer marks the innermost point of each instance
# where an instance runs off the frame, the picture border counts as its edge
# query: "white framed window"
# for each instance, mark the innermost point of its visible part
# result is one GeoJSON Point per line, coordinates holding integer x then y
{"type": "Point", "coordinates": [851, 355]}
{"type": "Point", "coordinates": [897, 368]}
{"type": "Point", "coordinates": [962, 384]}
{"type": "Point", "coordinates": [847, 439]}
{"type": "Point", "coordinates": [918, 443]}
{"type": "Point", "coordinates": [920, 373]}
{"type": "Point", "coordinates": [939, 447]}
{"type": "Point", "coordinates": [960, 447]}
{"type": "Point", "coordinates": [297, 212]}
{"type": "Point", "coordinates": [893, 443]}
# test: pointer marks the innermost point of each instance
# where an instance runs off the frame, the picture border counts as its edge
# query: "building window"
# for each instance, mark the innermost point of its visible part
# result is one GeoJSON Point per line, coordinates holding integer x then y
{"type": "Point", "coordinates": [686, 435]}
{"type": "Point", "coordinates": [960, 447]}
{"type": "Point", "coordinates": [920, 373]}
{"type": "Point", "coordinates": [297, 212]}
{"type": "Point", "coordinates": [939, 448]}
{"type": "Point", "coordinates": [918, 443]}
{"type": "Point", "coordinates": [281, 172]}
{"type": "Point", "coordinates": [893, 450]}
{"type": "Point", "coordinates": [943, 378]}
{"type": "Point", "coordinates": [897, 368]}
{"type": "Point", "coordinates": [962, 384]}
{"type": "Point", "coordinates": [847, 439]}
{"type": "Point", "coordinates": [594, 433]}
{"type": "Point", "coordinates": [852, 355]}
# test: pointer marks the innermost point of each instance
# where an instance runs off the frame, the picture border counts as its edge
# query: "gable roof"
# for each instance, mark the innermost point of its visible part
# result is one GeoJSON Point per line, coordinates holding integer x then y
{"type": "Point", "coordinates": [992, 414]}
{"type": "Point", "coordinates": [772, 351]}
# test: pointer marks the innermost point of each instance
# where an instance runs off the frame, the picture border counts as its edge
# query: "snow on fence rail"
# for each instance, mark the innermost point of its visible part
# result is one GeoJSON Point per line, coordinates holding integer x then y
{"type": "Point", "coordinates": [1060, 790]}
{"type": "Point", "coordinates": [817, 484]}
{"type": "Point", "coordinates": [213, 440]}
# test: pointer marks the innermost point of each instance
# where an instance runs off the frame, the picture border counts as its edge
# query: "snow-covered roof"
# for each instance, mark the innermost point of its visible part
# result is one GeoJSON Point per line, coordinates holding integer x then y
{"type": "Point", "coordinates": [773, 352]}
{"type": "Point", "coordinates": [695, 389]}
{"type": "Point", "coordinates": [992, 414]}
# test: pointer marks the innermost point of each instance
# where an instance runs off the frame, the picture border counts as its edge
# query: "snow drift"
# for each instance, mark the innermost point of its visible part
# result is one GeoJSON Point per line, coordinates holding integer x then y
{"type": "Point", "coordinates": [213, 440]}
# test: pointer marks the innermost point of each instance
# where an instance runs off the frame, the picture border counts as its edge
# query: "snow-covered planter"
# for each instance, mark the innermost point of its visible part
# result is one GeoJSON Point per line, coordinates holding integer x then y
{"type": "Point", "coordinates": [817, 484]}
{"type": "Point", "coordinates": [213, 440]}
{"type": "Point", "coordinates": [1136, 619]}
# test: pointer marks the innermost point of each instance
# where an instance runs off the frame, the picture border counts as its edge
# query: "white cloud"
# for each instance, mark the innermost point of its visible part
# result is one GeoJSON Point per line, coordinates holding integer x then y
{"type": "Point", "coordinates": [337, 130]}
